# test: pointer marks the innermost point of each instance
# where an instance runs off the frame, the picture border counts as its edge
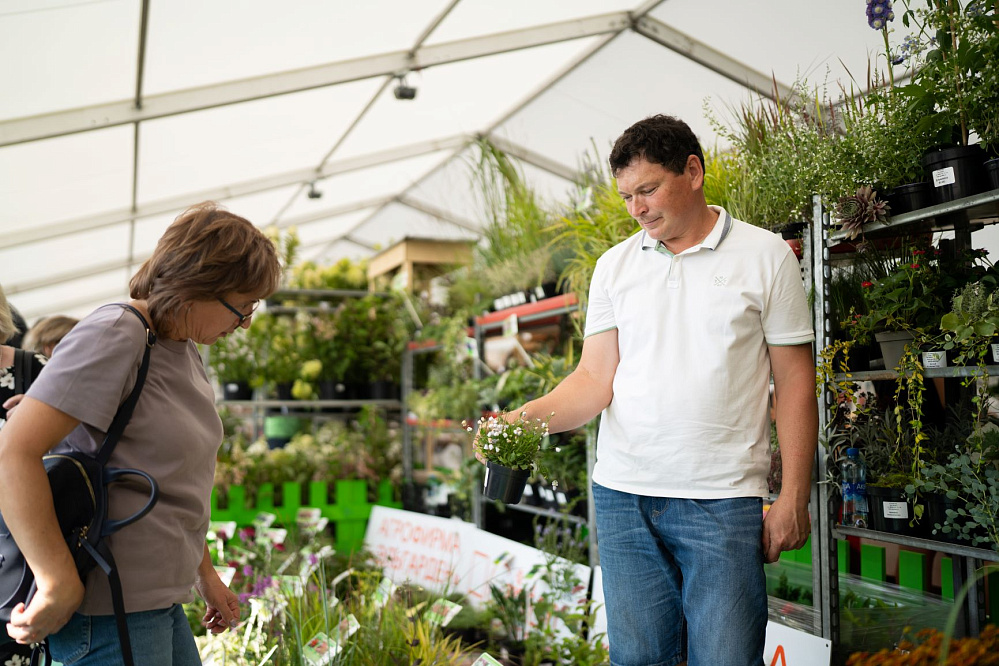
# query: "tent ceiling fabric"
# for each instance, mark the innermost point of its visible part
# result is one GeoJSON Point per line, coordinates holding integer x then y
{"type": "Point", "coordinates": [109, 130]}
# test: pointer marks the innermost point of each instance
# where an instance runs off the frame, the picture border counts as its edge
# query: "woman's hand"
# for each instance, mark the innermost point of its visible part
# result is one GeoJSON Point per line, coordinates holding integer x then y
{"type": "Point", "coordinates": [49, 610]}
{"type": "Point", "coordinates": [223, 605]}
{"type": "Point", "coordinates": [12, 402]}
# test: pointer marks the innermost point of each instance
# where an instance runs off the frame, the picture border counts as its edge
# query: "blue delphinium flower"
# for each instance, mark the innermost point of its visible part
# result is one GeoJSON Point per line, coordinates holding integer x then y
{"type": "Point", "coordinates": [879, 12]}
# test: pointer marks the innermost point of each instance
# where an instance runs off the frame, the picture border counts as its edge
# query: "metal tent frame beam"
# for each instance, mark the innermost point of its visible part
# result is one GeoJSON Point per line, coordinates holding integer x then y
{"type": "Point", "coordinates": [100, 116]}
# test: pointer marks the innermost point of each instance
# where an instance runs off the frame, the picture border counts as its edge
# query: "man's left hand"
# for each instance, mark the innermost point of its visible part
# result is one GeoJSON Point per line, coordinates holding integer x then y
{"type": "Point", "coordinates": [785, 527]}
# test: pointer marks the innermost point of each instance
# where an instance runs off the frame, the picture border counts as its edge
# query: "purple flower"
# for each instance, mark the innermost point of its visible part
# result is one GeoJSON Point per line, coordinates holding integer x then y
{"type": "Point", "coordinates": [879, 12]}
{"type": "Point", "coordinates": [247, 570]}
{"type": "Point", "coordinates": [244, 597]}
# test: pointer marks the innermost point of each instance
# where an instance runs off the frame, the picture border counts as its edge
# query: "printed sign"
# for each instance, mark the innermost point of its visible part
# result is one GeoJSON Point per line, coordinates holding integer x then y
{"type": "Point", "coordinates": [510, 327]}
{"type": "Point", "coordinates": [789, 647]}
{"type": "Point", "coordinates": [308, 516]}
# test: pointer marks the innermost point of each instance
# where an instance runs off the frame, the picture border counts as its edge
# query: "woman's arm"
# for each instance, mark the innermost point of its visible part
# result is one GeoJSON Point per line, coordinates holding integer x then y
{"type": "Point", "coordinates": [27, 507]}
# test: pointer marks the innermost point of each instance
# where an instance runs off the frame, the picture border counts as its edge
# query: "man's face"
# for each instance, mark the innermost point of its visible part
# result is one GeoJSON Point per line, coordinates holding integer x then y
{"type": "Point", "coordinates": [660, 200]}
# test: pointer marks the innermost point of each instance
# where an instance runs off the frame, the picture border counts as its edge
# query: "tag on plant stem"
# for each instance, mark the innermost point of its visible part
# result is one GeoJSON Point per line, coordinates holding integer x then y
{"type": "Point", "coordinates": [263, 520]}
{"type": "Point", "coordinates": [347, 627]}
{"type": "Point", "coordinates": [308, 516]}
{"type": "Point", "coordinates": [224, 529]}
{"type": "Point", "coordinates": [226, 574]}
{"type": "Point", "coordinates": [486, 660]}
{"type": "Point", "coordinates": [442, 612]}
{"type": "Point", "coordinates": [384, 592]}
{"type": "Point", "coordinates": [320, 650]}
{"type": "Point", "coordinates": [290, 585]}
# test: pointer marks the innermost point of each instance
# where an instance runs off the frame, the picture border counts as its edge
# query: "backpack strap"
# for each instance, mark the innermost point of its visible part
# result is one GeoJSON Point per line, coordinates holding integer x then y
{"type": "Point", "coordinates": [124, 413]}
{"type": "Point", "coordinates": [22, 371]}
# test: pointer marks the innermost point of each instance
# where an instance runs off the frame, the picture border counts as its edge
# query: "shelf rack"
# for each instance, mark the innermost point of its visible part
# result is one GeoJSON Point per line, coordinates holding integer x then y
{"type": "Point", "coordinates": [961, 216]}
{"type": "Point", "coordinates": [535, 313]}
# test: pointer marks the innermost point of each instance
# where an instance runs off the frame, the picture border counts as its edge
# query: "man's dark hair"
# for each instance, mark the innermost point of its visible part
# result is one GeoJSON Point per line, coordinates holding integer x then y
{"type": "Point", "coordinates": [659, 139]}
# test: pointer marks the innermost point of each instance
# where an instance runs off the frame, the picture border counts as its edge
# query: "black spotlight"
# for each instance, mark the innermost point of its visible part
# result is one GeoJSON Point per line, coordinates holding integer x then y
{"type": "Point", "coordinates": [402, 91]}
{"type": "Point", "coordinates": [313, 192]}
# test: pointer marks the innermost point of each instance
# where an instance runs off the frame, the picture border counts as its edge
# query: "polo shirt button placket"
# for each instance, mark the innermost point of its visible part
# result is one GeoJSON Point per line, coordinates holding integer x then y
{"type": "Point", "coordinates": [673, 281]}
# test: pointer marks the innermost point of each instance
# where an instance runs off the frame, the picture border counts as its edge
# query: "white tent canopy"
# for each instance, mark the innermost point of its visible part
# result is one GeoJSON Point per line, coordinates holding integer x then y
{"type": "Point", "coordinates": [117, 114]}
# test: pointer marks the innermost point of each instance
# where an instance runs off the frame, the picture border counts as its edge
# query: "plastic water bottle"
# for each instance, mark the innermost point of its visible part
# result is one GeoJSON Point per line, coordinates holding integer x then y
{"type": "Point", "coordinates": [854, 479]}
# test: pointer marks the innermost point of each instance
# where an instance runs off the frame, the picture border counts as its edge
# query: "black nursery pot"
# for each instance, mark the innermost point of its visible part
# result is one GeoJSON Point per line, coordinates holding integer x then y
{"type": "Point", "coordinates": [890, 510]}
{"type": "Point", "coordinates": [936, 514]}
{"type": "Point", "coordinates": [504, 483]}
{"type": "Point", "coordinates": [909, 197]}
{"type": "Point", "coordinates": [955, 172]}
{"type": "Point", "coordinates": [992, 173]}
{"type": "Point", "coordinates": [237, 391]}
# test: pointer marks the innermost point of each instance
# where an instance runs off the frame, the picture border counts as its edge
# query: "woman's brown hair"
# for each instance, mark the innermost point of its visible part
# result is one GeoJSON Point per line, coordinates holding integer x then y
{"type": "Point", "coordinates": [205, 254]}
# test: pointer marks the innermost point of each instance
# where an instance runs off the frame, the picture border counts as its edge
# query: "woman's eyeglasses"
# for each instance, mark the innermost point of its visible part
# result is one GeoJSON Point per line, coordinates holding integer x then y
{"type": "Point", "coordinates": [242, 317]}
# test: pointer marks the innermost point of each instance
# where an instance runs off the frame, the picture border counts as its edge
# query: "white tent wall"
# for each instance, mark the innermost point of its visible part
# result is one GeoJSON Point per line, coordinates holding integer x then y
{"type": "Point", "coordinates": [248, 103]}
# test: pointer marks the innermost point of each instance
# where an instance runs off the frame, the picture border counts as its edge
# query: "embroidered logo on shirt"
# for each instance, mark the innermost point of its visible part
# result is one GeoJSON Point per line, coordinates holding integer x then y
{"type": "Point", "coordinates": [721, 280]}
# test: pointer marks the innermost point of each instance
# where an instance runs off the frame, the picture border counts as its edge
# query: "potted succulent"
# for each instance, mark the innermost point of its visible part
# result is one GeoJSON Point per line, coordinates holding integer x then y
{"type": "Point", "coordinates": [510, 447]}
{"type": "Point", "coordinates": [855, 210]}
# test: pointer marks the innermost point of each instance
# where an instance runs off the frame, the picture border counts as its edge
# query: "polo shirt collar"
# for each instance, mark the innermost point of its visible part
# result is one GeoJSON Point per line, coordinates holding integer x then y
{"type": "Point", "coordinates": [711, 242]}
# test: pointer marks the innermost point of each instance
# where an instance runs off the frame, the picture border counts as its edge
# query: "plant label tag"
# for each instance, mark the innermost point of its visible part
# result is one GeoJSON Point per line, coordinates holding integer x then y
{"type": "Point", "coordinates": [510, 327]}
{"type": "Point", "coordinates": [485, 660]}
{"type": "Point", "coordinates": [224, 529]}
{"type": "Point", "coordinates": [934, 359]}
{"type": "Point", "coordinates": [290, 585]}
{"type": "Point", "coordinates": [226, 574]}
{"type": "Point", "coordinates": [943, 177]}
{"type": "Point", "coordinates": [276, 535]}
{"type": "Point", "coordinates": [308, 516]}
{"type": "Point", "coordinates": [896, 510]}
{"type": "Point", "coordinates": [442, 612]}
{"type": "Point", "coordinates": [263, 520]}
{"type": "Point", "coordinates": [384, 592]}
{"type": "Point", "coordinates": [320, 650]}
{"type": "Point", "coordinates": [347, 627]}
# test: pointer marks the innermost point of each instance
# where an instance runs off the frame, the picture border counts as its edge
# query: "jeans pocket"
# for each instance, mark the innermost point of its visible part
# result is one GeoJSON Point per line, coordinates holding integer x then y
{"type": "Point", "coordinates": [72, 642]}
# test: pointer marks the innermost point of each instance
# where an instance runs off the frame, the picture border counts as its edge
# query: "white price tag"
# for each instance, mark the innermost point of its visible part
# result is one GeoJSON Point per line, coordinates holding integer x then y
{"type": "Point", "coordinates": [898, 510]}
{"type": "Point", "coordinates": [943, 177]}
{"type": "Point", "coordinates": [510, 326]}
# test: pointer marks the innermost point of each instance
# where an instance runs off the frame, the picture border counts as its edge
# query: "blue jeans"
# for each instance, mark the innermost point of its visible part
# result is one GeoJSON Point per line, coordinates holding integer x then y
{"type": "Point", "coordinates": [159, 638]}
{"type": "Point", "coordinates": [683, 578]}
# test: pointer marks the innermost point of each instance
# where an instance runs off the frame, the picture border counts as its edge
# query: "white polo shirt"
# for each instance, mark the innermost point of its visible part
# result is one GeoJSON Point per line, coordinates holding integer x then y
{"type": "Point", "coordinates": [690, 415]}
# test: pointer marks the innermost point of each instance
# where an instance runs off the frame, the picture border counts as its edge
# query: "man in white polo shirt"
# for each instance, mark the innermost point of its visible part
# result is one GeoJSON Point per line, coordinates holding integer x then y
{"type": "Point", "coordinates": [686, 322]}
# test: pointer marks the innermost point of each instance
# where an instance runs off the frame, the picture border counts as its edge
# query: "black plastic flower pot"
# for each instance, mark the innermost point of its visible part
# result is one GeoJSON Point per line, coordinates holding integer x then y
{"type": "Point", "coordinates": [237, 391]}
{"type": "Point", "coordinates": [955, 172]}
{"type": "Point", "coordinates": [890, 510]}
{"type": "Point", "coordinates": [992, 173]}
{"type": "Point", "coordinates": [909, 197]}
{"type": "Point", "coordinates": [936, 514]}
{"type": "Point", "coordinates": [504, 483]}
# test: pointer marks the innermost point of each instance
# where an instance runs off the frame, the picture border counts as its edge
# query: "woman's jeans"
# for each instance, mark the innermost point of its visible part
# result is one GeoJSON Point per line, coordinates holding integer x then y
{"type": "Point", "coordinates": [682, 578]}
{"type": "Point", "coordinates": [159, 638]}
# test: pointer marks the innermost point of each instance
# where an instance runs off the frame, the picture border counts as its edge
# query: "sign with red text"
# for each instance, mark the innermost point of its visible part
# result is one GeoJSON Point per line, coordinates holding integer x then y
{"type": "Point", "coordinates": [445, 555]}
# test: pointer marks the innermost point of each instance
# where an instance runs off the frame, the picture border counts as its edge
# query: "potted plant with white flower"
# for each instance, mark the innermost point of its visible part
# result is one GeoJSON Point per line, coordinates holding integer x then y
{"type": "Point", "coordinates": [509, 447]}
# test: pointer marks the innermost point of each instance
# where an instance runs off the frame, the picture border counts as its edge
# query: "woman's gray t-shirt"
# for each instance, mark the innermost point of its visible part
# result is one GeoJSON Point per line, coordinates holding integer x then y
{"type": "Point", "coordinates": [174, 435]}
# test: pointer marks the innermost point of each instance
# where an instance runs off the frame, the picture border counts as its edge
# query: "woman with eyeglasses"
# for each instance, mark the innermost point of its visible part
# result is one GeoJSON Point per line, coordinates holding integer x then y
{"type": "Point", "coordinates": [203, 281]}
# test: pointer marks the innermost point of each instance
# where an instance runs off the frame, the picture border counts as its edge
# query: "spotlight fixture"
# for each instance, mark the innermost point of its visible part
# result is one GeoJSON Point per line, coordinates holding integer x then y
{"type": "Point", "coordinates": [403, 91]}
{"type": "Point", "coordinates": [313, 192]}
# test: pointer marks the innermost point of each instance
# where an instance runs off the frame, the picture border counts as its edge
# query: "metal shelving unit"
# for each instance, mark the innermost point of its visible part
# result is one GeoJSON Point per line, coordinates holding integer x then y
{"type": "Point", "coordinates": [528, 313]}
{"type": "Point", "coordinates": [961, 216]}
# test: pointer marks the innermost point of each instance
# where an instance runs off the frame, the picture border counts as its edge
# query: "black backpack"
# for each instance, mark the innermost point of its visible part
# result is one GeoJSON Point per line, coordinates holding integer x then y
{"type": "Point", "coordinates": [80, 494]}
